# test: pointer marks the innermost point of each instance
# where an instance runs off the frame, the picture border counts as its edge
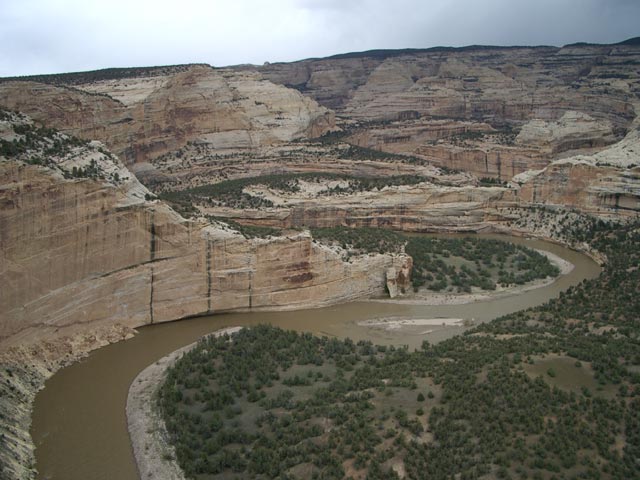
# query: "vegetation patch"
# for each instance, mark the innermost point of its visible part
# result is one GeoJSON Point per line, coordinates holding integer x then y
{"type": "Point", "coordinates": [458, 264]}
{"type": "Point", "coordinates": [38, 143]}
{"type": "Point", "coordinates": [448, 264]}
{"type": "Point", "coordinates": [79, 78]}
{"type": "Point", "coordinates": [361, 240]}
{"type": "Point", "coordinates": [249, 231]}
{"type": "Point", "coordinates": [513, 398]}
{"type": "Point", "coordinates": [272, 403]}
{"type": "Point", "coordinates": [232, 194]}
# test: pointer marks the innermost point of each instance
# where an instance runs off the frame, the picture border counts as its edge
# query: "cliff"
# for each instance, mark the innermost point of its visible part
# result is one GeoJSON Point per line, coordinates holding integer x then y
{"type": "Point", "coordinates": [80, 253]}
{"type": "Point", "coordinates": [82, 265]}
{"type": "Point", "coordinates": [140, 118]}
{"type": "Point", "coordinates": [498, 84]}
{"type": "Point", "coordinates": [86, 257]}
{"type": "Point", "coordinates": [577, 97]}
{"type": "Point", "coordinates": [424, 207]}
{"type": "Point", "coordinates": [88, 254]}
{"type": "Point", "coordinates": [605, 183]}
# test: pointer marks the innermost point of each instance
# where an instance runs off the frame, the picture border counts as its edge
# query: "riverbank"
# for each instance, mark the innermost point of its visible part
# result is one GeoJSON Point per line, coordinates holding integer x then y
{"type": "Point", "coordinates": [24, 369]}
{"type": "Point", "coordinates": [155, 457]}
{"type": "Point", "coordinates": [34, 364]}
{"type": "Point", "coordinates": [427, 297]}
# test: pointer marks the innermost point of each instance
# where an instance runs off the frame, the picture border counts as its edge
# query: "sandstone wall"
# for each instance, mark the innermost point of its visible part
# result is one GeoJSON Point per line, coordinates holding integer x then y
{"type": "Point", "coordinates": [495, 161]}
{"type": "Point", "coordinates": [75, 257]}
{"type": "Point", "coordinates": [585, 187]}
{"type": "Point", "coordinates": [492, 84]}
{"type": "Point", "coordinates": [140, 119]}
{"type": "Point", "coordinates": [419, 208]}
{"type": "Point", "coordinates": [576, 98]}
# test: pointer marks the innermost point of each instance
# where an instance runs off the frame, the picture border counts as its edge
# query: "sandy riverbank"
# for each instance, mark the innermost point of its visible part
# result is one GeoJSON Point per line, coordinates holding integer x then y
{"type": "Point", "coordinates": [426, 297]}
{"type": "Point", "coordinates": [155, 457]}
{"type": "Point", "coordinates": [398, 323]}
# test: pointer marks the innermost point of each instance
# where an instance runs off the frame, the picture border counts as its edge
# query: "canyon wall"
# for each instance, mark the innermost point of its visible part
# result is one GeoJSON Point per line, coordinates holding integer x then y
{"type": "Point", "coordinates": [79, 253]}
{"type": "Point", "coordinates": [140, 118]}
{"type": "Point", "coordinates": [83, 261]}
{"type": "Point", "coordinates": [429, 103]}
{"type": "Point", "coordinates": [495, 84]}
{"type": "Point", "coordinates": [417, 208]}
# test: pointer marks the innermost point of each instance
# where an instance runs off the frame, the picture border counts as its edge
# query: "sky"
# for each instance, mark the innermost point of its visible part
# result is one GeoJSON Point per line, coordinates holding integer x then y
{"type": "Point", "coordinates": [53, 36]}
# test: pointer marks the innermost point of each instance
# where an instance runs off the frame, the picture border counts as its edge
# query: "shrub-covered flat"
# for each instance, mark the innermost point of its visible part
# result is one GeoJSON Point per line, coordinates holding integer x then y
{"type": "Point", "coordinates": [449, 264]}
{"type": "Point", "coordinates": [231, 193]}
{"type": "Point", "coordinates": [547, 393]}
{"type": "Point", "coordinates": [275, 403]}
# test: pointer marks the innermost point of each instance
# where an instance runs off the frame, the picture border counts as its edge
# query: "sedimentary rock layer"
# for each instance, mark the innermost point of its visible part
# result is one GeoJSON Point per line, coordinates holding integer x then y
{"type": "Point", "coordinates": [495, 84]}
{"type": "Point", "coordinates": [418, 208]}
{"type": "Point", "coordinates": [421, 102]}
{"type": "Point", "coordinates": [141, 118]}
{"type": "Point", "coordinates": [73, 253]}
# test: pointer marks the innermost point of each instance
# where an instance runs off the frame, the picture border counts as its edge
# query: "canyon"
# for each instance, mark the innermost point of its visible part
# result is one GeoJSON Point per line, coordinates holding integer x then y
{"type": "Point", "coordinates": [493, 134]}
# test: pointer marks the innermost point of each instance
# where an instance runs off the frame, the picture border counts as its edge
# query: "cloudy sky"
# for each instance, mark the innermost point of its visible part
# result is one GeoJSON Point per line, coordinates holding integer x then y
{"type": "Point", "coordinates": [50, 36]}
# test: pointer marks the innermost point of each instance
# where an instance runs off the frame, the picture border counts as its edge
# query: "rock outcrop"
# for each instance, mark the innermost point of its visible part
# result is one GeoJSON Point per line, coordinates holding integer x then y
{"type": "Point", "coordinates": [398, 282]}
{"type": "Point", "coordinates": [605, 183]}
{"type": "Point", "coordinates": [87, 254]}
{"type": "Point", "coordinates": [565, 99]}
{"type": "Point", "coordinates": [582, 185]}
{"type": "Point", "coordinates": [141, 118]}
{"type": "Point", "coordinates": [495, 84]}
{"type": "Point", "coordinates": [80, 252]}
{"type": "Point", "coordinates": [85, 261]}
{"type": "Point", "coordinates": [424, 207]}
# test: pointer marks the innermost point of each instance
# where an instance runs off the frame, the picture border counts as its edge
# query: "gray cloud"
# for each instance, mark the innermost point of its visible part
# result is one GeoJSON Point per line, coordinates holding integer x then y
{"type": "Point", "coordinates": [45, 36]}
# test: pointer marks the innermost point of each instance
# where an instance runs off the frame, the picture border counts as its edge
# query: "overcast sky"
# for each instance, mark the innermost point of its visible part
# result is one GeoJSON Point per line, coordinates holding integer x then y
{"type": "Point", "coordinates": [51, 36]}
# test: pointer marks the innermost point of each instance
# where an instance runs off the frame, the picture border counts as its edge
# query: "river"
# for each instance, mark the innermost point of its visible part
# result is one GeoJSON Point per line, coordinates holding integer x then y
{"type": "Point", "coordinates": [79, 424]}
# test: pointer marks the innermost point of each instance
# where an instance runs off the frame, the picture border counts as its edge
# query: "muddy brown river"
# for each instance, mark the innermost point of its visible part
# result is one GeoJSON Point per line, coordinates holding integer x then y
{"type": "Point", "coordinates": [79, 425]}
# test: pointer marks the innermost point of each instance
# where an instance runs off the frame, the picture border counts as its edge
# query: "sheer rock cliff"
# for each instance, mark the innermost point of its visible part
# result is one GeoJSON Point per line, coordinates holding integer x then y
{"type": "Point", "coordinates": [140, 118]}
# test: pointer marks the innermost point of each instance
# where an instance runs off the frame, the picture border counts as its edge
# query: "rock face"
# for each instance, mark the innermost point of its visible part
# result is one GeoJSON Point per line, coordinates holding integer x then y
{"type": "Point", "coordinates": [607, 183]}
{"type": "Point", "coordinates": [496, 84]}
{"type": "Point", "coordinates": [85, 260]}
{"type": "Point", "coordinates": [142, 118]}
{"type": "Point", "coordinates": [586, 187]}
{"type": "Point", "coordinates": [399, 282]}
{"type": "Point", "coordinates": [419, 208]}
{"type": "Point", "coordinates": [75, 254]}
{"type": "Point", "coordinates": [572, 130]}
{"type": "Point", "coordinates": [564, 99]}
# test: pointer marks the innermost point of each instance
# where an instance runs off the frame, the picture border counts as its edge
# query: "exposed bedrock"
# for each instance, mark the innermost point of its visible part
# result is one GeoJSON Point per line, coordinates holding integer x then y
{"type": "Point", "coordinates": [607, 182]}
{"type": "Point", "coordinates": [73, 253]}
{"type": "Point", "coordinates": [142, 118]}
{"type": "Point", "coordinates": [419, 208]}
{"type": "Point", "coordinates": [581, 185]}
{"type": "Point", "coordinates": [536, 104]}
{"type": "Point", "coordinates": [480, 149]}
{"type": "Point", "coordinates": [495, 84]}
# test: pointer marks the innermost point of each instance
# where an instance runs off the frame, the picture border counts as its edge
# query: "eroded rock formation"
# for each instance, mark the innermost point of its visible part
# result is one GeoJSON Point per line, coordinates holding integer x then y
{"type": "Point", "coordinates": [84, 261]}
{"type": "Point", "coordinates": [87, 254]}
{"type": "Point", "coordinates": [418, 208]}
{"type": "Point", "coordinates": [141, 118]}
{"type": "Point", "coordinates": [577, 97]}
{"type": "Point", "coordinates": [80, 252]}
